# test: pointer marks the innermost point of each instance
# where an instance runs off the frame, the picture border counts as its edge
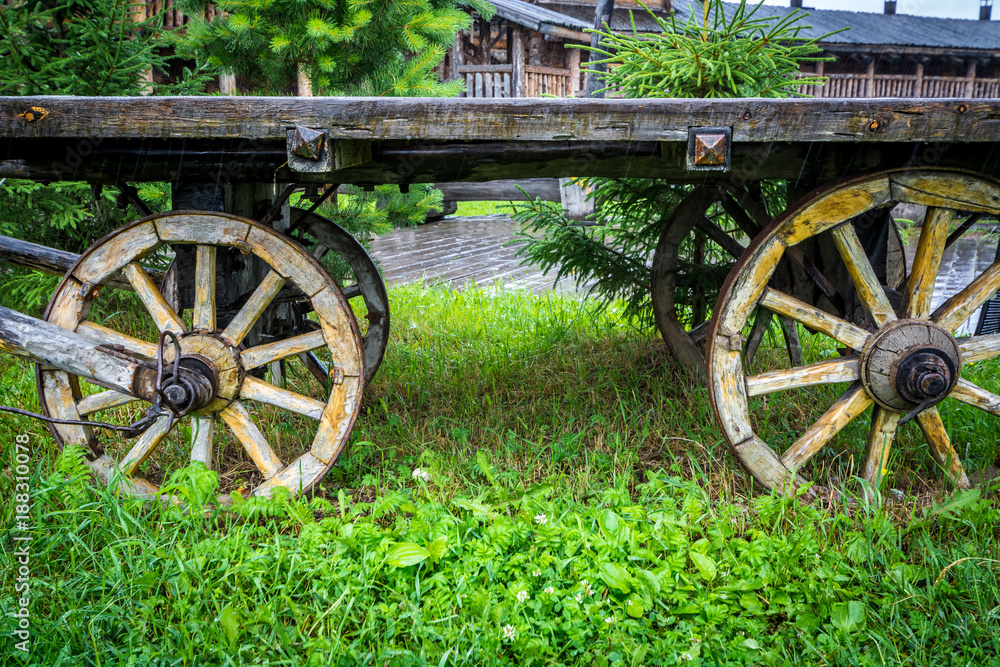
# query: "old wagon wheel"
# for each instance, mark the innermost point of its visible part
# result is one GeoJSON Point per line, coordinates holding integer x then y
{"type": "Point", "coordinates": [900, 361]}
{"type": "Point", "coordinates": [367, 282]}
{"type": "Point", "coordinates": [297, 456]}
{"type": "Point", "coordinates": [713, 216]}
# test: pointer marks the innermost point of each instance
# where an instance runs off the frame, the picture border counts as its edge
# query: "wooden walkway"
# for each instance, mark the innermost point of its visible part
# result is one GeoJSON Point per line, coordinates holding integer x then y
{"type": "Point", "coordinates": [462, 252]}
{"type": "Point", "coordinates": [473, 250]}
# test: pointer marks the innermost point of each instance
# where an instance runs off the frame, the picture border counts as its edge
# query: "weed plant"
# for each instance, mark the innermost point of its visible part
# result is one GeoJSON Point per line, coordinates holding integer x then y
{"type": "Point", "coordinates": [532, 482]}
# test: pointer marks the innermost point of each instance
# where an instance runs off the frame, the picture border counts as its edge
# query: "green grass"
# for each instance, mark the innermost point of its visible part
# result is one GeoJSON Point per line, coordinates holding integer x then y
{"type": "Point", "coordinates": [579, 493]}
{"type": "Point", "coordinates": [470, 208]}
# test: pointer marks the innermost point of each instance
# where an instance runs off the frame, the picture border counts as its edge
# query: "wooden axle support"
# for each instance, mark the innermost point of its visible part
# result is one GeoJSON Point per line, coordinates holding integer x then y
{"type": "Point", "coordinates": [52, 346]}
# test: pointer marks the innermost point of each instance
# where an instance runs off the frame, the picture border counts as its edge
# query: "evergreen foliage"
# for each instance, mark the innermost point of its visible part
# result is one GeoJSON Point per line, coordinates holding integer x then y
{"type": "Point", "coordinates": [739, 55]}
{"type": "Point", "coordinates": [73, 47]}
{"type": "Point", "coordinates": [344, 47]}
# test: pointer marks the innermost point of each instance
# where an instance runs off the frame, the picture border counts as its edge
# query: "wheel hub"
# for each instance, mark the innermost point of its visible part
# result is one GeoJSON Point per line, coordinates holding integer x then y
{"type": "Point", "coordinates": [910, 363]}
{"type": "Point", "coordinates": [220, 360]}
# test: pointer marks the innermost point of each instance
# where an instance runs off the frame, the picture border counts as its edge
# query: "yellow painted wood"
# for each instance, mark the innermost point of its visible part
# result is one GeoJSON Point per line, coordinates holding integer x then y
{"type": "Point", "coordinates": [113, 253]}
{"type": "Point", "coordinates": [953, 312]}
{"type": "Point", "coordinates": [261, 355]}
{"type": "Point", "coordinates": [265, 392]}
{"type": "Point", "coordinates": [251, 311]}
{"type": "Point", "coordinates": [883, 430]}
{"type": "Point", "coordinates": [946, 189]}
{"type": "Point", "coordinates": [163, 315]}
{"type": "Point", "coordinates": [337, 420]}
{"type": "Point", "coordinates": [105, 400]}
{"type": "Point", "coordinates": [851, 403]}
{"type": "Point", "coordinates": [979, 348]}
{"type": "Point", "coordinates": [298, 476]}
{"type": "Point", "coordinates": [941, 448]}
{"type": "Point", "coordinates": [824, 372]}
{"type": "Point", "coordinates": [238, 419]}
{"type": "Point", "coordinates": [841, 330]}
{"type": "Point", "coordinates": [146, 444]}
{"type": "Point", "coordinates": [288, 259]}
{"type": "Point", "coordinates": [204, 288]}
{"type": "Point", "coordinates": [974, 395]}
{"type": "Point", "coordinates": [834, 208]}
{"type": "Point", "coordinates": [866, 283]}
{"type": "Point", "coordinates": [927, 261]}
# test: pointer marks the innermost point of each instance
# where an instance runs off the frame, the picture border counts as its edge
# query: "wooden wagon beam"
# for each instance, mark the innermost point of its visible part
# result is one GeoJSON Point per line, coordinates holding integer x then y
{"type": "Point", "coordinates": [429, 119]}
{"type": "Point", "coordinates": [49, 260]}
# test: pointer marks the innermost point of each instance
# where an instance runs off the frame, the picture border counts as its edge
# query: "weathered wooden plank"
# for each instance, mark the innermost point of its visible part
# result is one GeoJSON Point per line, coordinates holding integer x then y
{"type": "Point", "coordinates": [851, 403]}
{"type": "Point", "coordinates": [979, 348]}
{"type": "Point", "coordinates": [824, 372]}
{"type": "Point", "coordinates": [814, 318]}
{"type": "Point", "coordinates": [282, 349]}
{"type": "Point", "coordinates": [204, 288]}
{"type": "Point", "coordinates": [867, 284]}
{"type": "Point", "coordinates": [941, 448]}
{"type": "Point", "coordinates": [265, 392]}
{"type": "Point", "coordinates": [49, 260]}
{"type": "Point", "coordinates": [238, 419]}
{"type": "Point", "coordinates": [757, 120]}
{"type": "Point", "coordinates": [960, 307]}
{"type": "Point", "coordinates": [202, 434]}
{"type": "Point", "coordinates": [926, 262]}
{"type": "Point", "coordinates": [883, 431]}
{"type": "Point", "coordinates": [976, 396]}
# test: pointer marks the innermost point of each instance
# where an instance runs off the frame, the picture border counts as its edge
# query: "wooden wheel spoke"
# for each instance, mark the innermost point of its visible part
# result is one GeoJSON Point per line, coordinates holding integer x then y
{"type": "Point", "coordinates": [146, 444]}
{"type": "Point", "coordinates": [165, 317]}
{"type": "Point", "coordinates": [202, 434]}
{"type": "Point", "coordinates": [927, 261]}
{"type": "Point", "coordinates": [979, 348]}
{"type": "Point", "coordinates": [105, 336]}
{"type": "Point", "coordinates": [265, 392]}
{"type": "Point", "coordinates": [204, 288]}
{"type": "Point", "coordinates": [846, 408]}
{"type": "Point", "coordinates": [841, 330]}
{"type": "Point", "coordinates": [316, 367]}
{"type": "Point", "coordinates": [866, 283]}
{"type": "Point", "coordinates": [880, 438]}
{"type": "Point", "coordinates": [941, 448]}
{"type": "Point", "coordinates": [953, 312]}
{"type": "Point", "coordinates": [261, 355]}
{"type": "Point", "coordinates": [238, 419]}
{"type": "Point", "coordinates": [105, 400]}
{"type": "Point", "coordinates": [720, 237]}
{"type": "Point", "coordinates": [251, 311]}
{"type": "Point", "coordinates": [824, 372]}
{"type": "Point", "coordinates": [976, 396]}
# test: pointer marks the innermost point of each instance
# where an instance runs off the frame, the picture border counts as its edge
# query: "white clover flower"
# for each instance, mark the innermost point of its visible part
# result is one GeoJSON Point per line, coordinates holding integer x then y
{"type": "Point", "coordinates": [579, 597]}
{"type": "Point", "coordinates": [420, 473]}
{"type": "Point", "coordinates": [590, 591]}
{"type": "Point", "coordinates": [508, 632]}
{"type": "Point", "coordinates": [549, 590]}
{"type": "Point", "coordinates": [609, 620]}
{"type": "Point", "coordinates": [687, 657]}
{"type": "Point", "coordinates": [541, 519]}
{"type": "Point", "coordinates": [522, 596]}
{"type": "Point", "coordinates": [536, 572]}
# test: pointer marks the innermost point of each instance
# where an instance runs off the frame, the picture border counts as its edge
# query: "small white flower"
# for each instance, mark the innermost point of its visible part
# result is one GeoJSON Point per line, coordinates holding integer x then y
{"type": "Point", "coordinates": [590, 591]}
{"type": "Point", "coordinates": [508, 632]}
{"type": "Point", "coordinates": [687, 657]}
{"type": "Point", "coordinates": [541, 519]}
{"type": "Point", "coordinates": [549, 590]}
{"type": "Point", "coordinates": [462, 596]}
{"type": "Point", "coordinates": [609, 620]}
{"type": "Point", "coordinates": [579, 597]}
{"type": "Point", "coordinates": [536, 572]}
{"type": "Point", "coordinates": [420, 473]}
{"type": "Point", "coordinates": [522, 596]}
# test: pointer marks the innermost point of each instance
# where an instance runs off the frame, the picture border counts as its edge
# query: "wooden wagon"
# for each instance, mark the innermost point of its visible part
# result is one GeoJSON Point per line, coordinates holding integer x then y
{"type": "Point", "coordinates": [830, 264]}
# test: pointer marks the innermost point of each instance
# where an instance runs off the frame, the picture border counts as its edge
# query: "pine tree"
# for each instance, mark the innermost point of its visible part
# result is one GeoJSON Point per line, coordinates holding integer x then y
{"type": "Point", "coordinates": [343, 47]}
{"type": "Point", "coordinates": [712, 54]}
{"type": "Point", "coordinates": [72, 47]}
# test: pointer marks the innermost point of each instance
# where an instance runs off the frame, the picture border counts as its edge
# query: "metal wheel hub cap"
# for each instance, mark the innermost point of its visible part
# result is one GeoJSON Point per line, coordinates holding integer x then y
{"type": "Point", "coordinates": [909, 363]}
{"type": "Point", "coordinates": [222, 360]}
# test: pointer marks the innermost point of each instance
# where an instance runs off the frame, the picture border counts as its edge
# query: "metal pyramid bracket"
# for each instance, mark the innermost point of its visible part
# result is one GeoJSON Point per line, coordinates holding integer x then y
{"type": "Point", "coordinates": [307, 143]}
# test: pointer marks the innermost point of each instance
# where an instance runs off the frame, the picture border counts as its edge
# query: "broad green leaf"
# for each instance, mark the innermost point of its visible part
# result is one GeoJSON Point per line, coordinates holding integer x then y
{"type": "Point", "coordinates": [229, 619]}
{"type": "Point", "coordinates": [633, 607]}
{"type": "Point", "coordinates": [849, 616]}
{"type": "Point", "coordinates": [616, 577]}
{"type": "Point", "coordinates": [705, 565]}
{"type": "Point", "coordinates": [438, 548]}
{"type": "Point", "coordinates": [404, 554]}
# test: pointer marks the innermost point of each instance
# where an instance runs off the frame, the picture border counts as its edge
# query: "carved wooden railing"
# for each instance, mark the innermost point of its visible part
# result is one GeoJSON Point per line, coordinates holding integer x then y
{"type": "Point", "coordinates": [902, 85]}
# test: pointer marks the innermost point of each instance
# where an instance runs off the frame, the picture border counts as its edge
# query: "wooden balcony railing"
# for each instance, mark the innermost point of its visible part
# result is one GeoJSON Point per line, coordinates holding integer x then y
{"type": "Point", "coordinates": [553, 81]}
{"type": "Point", "coordinates": [487, 80]}
{"type": "Point", "coordinates": [900, 85]}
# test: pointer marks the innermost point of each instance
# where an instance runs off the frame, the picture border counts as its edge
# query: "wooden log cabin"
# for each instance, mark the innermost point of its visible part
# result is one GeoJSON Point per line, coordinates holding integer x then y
{"type": "Point", "coordinates": [528, 49]}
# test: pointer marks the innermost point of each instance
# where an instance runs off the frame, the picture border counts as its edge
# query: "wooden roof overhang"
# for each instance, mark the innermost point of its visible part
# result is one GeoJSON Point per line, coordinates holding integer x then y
{"type": "Point", "coordinates": [406, 140]}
